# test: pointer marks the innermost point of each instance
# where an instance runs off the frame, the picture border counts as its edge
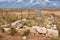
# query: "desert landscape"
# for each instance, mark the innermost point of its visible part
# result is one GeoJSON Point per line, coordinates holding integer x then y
{"type": "Point", "coordinates": [29, 24]}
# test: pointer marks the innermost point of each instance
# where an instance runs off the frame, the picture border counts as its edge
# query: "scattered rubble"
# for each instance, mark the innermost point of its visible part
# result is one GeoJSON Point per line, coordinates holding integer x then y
{"type": "Point", "coordinates": [50, 28]}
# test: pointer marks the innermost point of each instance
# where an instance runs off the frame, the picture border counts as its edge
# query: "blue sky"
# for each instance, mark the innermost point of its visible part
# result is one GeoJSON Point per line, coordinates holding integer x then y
{"type": "Point", "coordinates": [29, 3]}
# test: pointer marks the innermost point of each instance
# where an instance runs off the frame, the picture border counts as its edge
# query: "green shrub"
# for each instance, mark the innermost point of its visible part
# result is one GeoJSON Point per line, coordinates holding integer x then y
{"type": "Point", "coordinates": [57, 21]}
{"type": "Point", "coordinates": [58, 27]}
{"type": "Point", "coordinates": [12, 31]}
{"type": "Point", "coordinates": [2, 30]}
{"type": "Point", "coordinates": [25, 23]}
{"type": "Point", "coordinates": [54, 38]}
{"type": "Point", "coordinates": [26, 33]}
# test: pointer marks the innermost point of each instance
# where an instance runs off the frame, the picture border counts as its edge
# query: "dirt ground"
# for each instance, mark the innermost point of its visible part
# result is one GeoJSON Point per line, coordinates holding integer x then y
{"type": "Point", "coordinates": [19, 37]}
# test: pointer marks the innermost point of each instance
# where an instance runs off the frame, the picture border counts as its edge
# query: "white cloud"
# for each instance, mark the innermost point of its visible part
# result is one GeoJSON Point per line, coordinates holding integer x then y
{"type": "Point", "coordinates": [19, 0]}
{"type": "Point", "coordinates": [11, 0]}
{"type": "Point", "coordinates": [2, 0]}
{"type": "Point", "coordinates": [31, 1]}
{"type": "Point", "coordinates": [46, 0]}
{"type": "Point", "coordinates": [54, 4]}
{"type": "Point", "coordinates": [38, 1]}
{"type": "Point", "coordinates": [6, 0]}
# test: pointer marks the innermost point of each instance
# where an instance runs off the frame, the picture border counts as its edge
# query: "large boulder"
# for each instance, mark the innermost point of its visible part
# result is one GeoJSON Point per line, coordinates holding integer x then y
{"type": "Point", "coordinates": [42, 30]}
{"type": "Point", "coordinates": [52, 33]}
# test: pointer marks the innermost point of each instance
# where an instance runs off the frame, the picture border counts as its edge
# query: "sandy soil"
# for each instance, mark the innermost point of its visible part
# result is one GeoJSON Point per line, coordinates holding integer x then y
{"type": "Point", "coordinates": [19, 37]}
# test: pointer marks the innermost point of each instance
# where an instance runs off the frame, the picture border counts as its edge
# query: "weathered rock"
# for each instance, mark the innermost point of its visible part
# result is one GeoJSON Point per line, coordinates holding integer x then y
{"type": "Point", "coordinates": [14, 23]}
{"type": "Point", "coordinates": [6, 29]}
{"type": "Point", "coordinates": [25, 27]}
{"type": "Point", "coordinates": [24, 37]}
{"type": "Point", "coordinates": [42, 30]}
{"type": "Point", "coordinates": [52, 33]}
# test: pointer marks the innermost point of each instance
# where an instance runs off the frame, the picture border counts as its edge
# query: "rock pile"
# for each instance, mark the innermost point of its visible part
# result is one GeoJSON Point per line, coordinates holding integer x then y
{"type": "Point", "coordinates": [49, 30]}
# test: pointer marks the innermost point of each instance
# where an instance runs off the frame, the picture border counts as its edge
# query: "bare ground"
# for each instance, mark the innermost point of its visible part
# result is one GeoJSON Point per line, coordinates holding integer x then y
{"type": "Point", "coordinates": [19, 37]}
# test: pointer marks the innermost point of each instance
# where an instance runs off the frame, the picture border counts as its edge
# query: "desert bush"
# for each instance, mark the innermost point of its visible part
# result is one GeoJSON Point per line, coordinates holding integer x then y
{"type": "Point", "coordinates": [26, 33]}
{"type": "Point", "coordinates": [2, 30]}
{"type": "Point", "coordinates": [1, 36]}
{"type": "Point", "coordinates": [12, 18]}
{"type": "Point", "coordinates": [58, 27]}
{"type": "Point", "coordinates": [57, 21]}
{"type": "Point", "coordinates": [12, 31]}
{"type": "Point", "coordinates": [8, 17]}
{"type": "Point", "coordinates": [34, 18]}
{"type": "Point", "coordinates": [2, 22]}
{"type": "Point", "coordinates": [25, 23]}
{"type": "Point", "coordinates": [54, 38]}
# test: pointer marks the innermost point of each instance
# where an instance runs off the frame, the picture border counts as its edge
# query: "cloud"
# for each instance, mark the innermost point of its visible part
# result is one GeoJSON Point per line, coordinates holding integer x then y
{"type": "Point", "coordinates": [46, 0]}
{"type": "Point", "coordinates": [38, 1]}
{"type": "Point", "coordinates": [7, 0]}
{"type": "Point", "coordinates": [54, 4]}
{"type": "Point", "coordinates": [31, 1]}
{"type": "Point", "coordinates": [34, 2]}
{"type": "Point", "coordinates": [19, 0]}
{"type": "Point", "coordinates": [2, 0]}
{"type": "Point", "coordinates": [10, 0]}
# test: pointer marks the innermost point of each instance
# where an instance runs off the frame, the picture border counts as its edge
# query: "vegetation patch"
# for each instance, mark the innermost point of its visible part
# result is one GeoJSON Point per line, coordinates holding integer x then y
{"type": "Point", "coordinates": [26, 33]}
{"type": "Point", "coordinates": [12, 31]}
{"type": "Point", "coordinates": [54, 38]}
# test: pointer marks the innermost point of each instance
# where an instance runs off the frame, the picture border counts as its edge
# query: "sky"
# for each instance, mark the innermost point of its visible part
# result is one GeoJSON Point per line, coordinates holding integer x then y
{"type": "Point", "coordinates": [29, 3]}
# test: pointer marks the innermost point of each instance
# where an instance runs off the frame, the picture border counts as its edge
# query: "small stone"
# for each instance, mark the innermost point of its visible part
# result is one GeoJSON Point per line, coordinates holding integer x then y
{"type": "Point", "coordinates": [24, 37]}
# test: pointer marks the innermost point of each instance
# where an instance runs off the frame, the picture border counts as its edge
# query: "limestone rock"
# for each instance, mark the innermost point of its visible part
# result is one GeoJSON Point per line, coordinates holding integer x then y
{"type": "Point", "coordinates": [52, 33]}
